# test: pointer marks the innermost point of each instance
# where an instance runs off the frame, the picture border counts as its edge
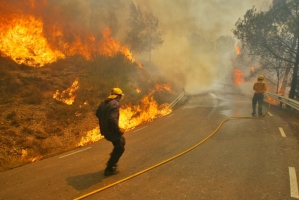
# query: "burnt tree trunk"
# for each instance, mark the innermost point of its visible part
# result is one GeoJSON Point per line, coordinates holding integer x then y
{"type": "Point", "coordinates": [284, 80]}
{"type": "Point", "coordinates": [295, 72]}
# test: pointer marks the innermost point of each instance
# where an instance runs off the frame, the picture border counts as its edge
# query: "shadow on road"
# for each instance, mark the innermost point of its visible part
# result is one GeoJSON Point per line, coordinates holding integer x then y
{"type": "Point", "coordinates": [85, 181]}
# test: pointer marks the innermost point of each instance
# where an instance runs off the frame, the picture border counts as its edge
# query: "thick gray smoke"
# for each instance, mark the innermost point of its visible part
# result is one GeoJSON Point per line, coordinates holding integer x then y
{"type": "Point", "coordinates": [193, 54]}
{"type": "Point", "coordinates": [189, 53]}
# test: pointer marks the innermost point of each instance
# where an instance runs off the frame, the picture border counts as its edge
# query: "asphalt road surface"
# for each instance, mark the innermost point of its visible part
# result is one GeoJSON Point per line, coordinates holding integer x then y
{"type": "Point", "coordinates": [246, 159]}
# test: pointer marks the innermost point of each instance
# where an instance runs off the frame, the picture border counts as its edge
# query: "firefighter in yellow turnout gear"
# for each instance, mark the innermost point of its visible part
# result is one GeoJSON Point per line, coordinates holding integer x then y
{"type": "Point", "coordinates": [260, 87]}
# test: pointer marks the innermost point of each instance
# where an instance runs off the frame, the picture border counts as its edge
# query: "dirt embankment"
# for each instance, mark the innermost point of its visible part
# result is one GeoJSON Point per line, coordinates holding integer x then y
{"type": "Point", "coordinates": [33, 125]}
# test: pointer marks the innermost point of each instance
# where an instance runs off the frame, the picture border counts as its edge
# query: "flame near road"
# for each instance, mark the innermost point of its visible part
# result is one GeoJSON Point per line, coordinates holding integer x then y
{"type": "Point", "coordinates": [132, 116]}
{"type": "Point", "coordinates": [31, 37]}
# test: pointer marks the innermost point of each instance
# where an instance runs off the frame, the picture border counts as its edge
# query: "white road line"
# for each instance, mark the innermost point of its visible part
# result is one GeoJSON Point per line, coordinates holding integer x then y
{"type": "Point", "coordinates": [140, 129]}
{"type": "Point", "coordinates": [282, 132]}
{"type": "Point", "coordinates": [293, 183]}
{"type": "Point", "coordinates": [270, 114]}
{"type": "Point", "coordinates": [74, 152]}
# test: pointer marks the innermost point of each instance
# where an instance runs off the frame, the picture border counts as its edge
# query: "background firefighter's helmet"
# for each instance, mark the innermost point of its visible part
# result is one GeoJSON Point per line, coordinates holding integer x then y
{"type": "Point", "coordinates": [115, 92]}
{"type": "Point", "coordinates": [260, 77]}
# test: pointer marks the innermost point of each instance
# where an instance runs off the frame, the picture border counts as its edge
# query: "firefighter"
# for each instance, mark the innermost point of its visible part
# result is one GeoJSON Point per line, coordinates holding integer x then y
{"type": "Point", "coordinates": [260, 87]}
{"type": "Point", "coordinates": [108, 115]}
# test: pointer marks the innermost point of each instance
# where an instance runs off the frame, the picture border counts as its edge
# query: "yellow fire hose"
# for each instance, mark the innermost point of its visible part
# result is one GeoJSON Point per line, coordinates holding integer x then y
{"type": "Point", "coordinates": [172, 158]}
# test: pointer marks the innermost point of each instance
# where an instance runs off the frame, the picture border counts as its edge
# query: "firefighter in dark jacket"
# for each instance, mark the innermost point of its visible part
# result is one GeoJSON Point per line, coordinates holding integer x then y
{"type": "Point", "coordinates": [108, 115]}
{"type": "Point", "coordinates": [259, 87]}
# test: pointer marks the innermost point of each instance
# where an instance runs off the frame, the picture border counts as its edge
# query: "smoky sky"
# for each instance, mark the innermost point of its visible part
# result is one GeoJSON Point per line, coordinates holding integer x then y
{"type": "Point", "coordinates": [191, 29]}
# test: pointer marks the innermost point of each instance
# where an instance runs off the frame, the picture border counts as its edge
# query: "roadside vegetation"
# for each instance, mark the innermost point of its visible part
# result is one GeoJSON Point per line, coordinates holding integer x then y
{"type": "Point", "coordinates": [271, 38]}
{"type": "Point", "coordinates": [34, 125]}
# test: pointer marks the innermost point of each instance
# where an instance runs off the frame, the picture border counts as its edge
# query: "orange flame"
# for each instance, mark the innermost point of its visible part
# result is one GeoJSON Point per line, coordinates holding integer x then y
{"type": "Point", "coordinates": [252, 68]}
{"type": "Point", "coordinates": [28, 40]}
{"type": "Point", "coordinates": [163, 86]}
{"type": "Point", "coordinates": [139, 65]}
{"type": "Point", "coordinates": [111, 47]}
{"type": "Point", "coordinates": [273, 101]}
{"type": "Point", "coordinates": [147, 111]}
{"type": "Point", "coordinates": [67, 96]}
{"type": "Point", "coordinates": [138, 90]}
{"type": "Point", "coordinates": [24, 42]}
{"type": "Point", "coordinates": [132, 116]}
{"type": "Point", "coordinates": [238, 77]}
{"type": "Point", "coordinates": [91, 136]}
{"type": "Point", "coordinates": [238, 51]}
{"type": "Point", "coordinates": [24, 156]}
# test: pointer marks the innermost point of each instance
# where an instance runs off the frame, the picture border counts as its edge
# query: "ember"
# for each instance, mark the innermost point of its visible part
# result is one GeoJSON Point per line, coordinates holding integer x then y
{"type": "Point", "coordinates": [238, 51]}
{"type": "Point", "coordinates": [273, 101]}
{"type": "Point", "coordinates": [238, 77]}
{"type": "Point", "coordinates": [138, 90]}
{"type": "Point", "coordinates": [252, 68]}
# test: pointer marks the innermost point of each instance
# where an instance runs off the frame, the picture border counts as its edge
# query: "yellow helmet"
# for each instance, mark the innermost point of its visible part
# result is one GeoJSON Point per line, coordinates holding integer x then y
{"type": "Point", "coordinates": [115, 92]}
{"type": "Point", "coordinates": [260, 77]}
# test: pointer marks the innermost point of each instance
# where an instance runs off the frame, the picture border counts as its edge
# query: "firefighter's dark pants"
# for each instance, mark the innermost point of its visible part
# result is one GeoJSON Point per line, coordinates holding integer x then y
{"type": "Point", "coordinates": [117, 152]}
{"type": "Point", "coordinates": [257, 98]}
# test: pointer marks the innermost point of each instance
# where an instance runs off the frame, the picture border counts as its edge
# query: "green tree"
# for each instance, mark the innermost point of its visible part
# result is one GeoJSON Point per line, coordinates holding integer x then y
{"type": "Point", "coordinates": [153, 37]}
{"type": "Point", "coordinates": [273, 35]}
{"type": "Point", "coordinates": [136, 34]}
{"type": "Point", "coordinates": [143, 34]}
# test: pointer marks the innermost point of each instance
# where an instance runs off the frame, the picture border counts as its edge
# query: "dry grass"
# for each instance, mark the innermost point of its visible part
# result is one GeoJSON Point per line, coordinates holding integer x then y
{"type": "Point", "coordinates": [11, 115]}
{"type": "Point", "coordinates": [35, 123]}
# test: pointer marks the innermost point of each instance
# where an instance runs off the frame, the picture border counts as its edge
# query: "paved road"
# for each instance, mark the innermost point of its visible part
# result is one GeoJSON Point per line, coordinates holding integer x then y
{"type": "Point", "coordinates": [245, 159]}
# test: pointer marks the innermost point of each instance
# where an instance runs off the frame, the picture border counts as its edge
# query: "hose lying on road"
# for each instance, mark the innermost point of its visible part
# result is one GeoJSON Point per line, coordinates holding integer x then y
{"type": "Point", "coordinates": [174, 157]}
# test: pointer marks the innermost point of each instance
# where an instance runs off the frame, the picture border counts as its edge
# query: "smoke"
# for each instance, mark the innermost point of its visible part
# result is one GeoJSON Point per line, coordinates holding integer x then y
{"type": "Point", "coordinates": [189, 54]}
{"type": "Point", "coordinates": [195, 54]}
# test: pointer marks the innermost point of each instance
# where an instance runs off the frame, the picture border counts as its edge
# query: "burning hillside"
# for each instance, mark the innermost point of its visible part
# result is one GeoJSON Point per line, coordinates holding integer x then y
{"type": "Point", "coordinates": [54, 73]}
{"type": "Point", "coordinates": [27, 39]}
